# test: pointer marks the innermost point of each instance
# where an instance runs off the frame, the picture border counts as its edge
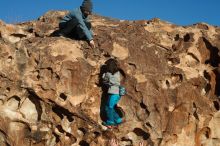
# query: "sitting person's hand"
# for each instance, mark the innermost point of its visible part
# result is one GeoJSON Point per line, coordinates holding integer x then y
{"type": "Point", "coordinates": [92, 44]}
{"type": "Point", "coordinates": [113, 142]}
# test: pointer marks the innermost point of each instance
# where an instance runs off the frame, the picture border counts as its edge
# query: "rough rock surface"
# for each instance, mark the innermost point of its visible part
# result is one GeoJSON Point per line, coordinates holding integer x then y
{"type": "Point", "coordinates": [50, 93]}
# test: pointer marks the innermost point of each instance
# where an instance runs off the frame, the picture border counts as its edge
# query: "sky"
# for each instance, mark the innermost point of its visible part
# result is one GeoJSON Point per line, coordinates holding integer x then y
{"type": "Point", "coordinates": [180, 12]}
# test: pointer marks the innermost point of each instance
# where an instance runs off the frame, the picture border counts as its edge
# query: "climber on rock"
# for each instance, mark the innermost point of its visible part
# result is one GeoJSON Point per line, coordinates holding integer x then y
{"type": "Point", "coordinates": [76, 24]}
{"type": "Point", "coordinates": [112, 80]}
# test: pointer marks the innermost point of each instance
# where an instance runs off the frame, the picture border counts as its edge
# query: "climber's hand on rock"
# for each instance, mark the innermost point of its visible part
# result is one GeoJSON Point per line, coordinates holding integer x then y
{"type": "Point", "coordinates": [141, 143]}
{"type": "Point", "coordinates": [113, 142]}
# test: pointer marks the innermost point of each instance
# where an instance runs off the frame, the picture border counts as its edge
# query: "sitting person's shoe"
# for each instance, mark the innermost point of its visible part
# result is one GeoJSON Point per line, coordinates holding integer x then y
{"type": "Point", "coordinates": [57, 33]}
{"type": "Point", "coordinates": [60, 34]}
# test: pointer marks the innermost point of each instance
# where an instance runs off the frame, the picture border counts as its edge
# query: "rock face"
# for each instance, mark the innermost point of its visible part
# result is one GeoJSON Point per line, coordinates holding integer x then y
{"type": "Point", "coordinates": [50, 93]}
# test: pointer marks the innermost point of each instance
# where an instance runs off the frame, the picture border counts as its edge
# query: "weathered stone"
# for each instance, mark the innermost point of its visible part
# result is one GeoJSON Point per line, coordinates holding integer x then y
{"type": "Point", "coordinates": [50, 93]}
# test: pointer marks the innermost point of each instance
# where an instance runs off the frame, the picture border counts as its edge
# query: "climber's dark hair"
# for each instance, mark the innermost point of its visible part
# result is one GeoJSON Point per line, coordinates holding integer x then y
{"type": "Point", "coordinates": [112, 66]}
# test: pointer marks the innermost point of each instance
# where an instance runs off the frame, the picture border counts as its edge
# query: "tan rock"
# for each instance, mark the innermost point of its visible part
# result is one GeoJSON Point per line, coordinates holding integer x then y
{"type": "Point", "coordinates": [120, 52]}
{"type": "Point", "coordinates": [51, 92]}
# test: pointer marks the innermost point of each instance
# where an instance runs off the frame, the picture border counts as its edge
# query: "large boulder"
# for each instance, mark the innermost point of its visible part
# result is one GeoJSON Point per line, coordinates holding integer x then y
{"type": "Point", "coordinates": [50, 92]}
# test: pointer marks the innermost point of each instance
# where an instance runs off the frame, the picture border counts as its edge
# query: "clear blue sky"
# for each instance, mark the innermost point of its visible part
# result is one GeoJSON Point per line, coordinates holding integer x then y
{"type": "Point", "coordinates": [181, 12]}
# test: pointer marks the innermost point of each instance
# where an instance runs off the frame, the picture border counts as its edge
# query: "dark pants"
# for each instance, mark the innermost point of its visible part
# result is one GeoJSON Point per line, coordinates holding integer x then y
{"type": "Point", "coordinates": [71, 29]}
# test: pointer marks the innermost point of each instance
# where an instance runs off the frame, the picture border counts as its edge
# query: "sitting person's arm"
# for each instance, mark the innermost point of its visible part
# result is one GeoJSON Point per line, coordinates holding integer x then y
{"type": "Point", "coordinates": [85, 30]}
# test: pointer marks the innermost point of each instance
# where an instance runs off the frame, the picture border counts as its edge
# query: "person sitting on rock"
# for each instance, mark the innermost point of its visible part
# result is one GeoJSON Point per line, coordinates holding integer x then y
{"type": "Point", "coordinates": [112, 79]}
{"type": "Point", "coordinates": [76, 24]}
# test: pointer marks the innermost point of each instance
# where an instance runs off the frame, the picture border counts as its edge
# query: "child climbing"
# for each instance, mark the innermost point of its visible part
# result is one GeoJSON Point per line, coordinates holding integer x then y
{"type": "Point", "coordinates": [112, 79]}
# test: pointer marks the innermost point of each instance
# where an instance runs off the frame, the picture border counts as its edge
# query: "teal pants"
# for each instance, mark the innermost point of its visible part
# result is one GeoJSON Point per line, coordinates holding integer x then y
{"type": "Point", "coordinates": [112, 116]}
